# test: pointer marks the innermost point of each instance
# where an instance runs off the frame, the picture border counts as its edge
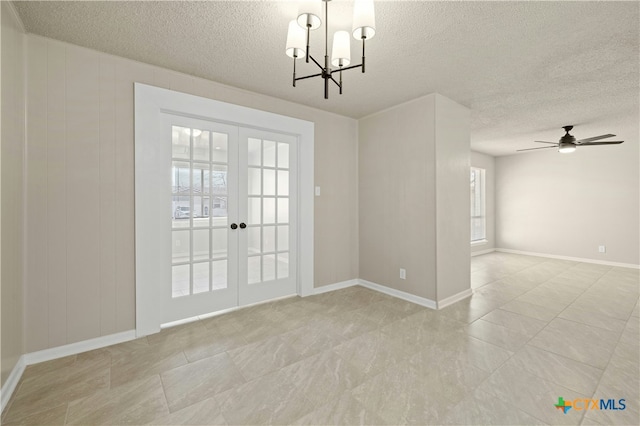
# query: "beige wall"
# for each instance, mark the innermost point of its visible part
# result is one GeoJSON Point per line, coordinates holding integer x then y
{"type": "Point", "coordinates": [488, 163]}
{"type": "Point", "coordinates": [397, 197]}
{"type": "Point", "coordinates": [12, 226]}
{"type": "Point", "coordinates": [80, 229]}
{"type": "Point", "coordinates": [569, 204]}
{"type": "Point", "coordinates": [452, 138]}
{"type": "Point", "coordinates": [414, 197]}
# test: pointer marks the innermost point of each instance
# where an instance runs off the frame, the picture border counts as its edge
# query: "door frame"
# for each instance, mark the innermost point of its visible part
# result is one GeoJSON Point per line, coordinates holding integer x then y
{"type": "Point", "coordinates": [150, 103]}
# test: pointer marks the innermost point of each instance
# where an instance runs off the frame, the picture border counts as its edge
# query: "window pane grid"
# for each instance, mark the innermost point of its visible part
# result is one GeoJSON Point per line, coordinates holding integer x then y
{"type": "Point", "coordinates": [199, 187]}
{"type": "Point", "coordinates": [477, 192]}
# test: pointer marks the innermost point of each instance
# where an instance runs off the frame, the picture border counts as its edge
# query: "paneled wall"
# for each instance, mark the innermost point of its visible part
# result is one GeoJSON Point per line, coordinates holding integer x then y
{"type": "Point", "coordinates": [12, 224]}
{"type": "Point", "coordinates": [80, 199]}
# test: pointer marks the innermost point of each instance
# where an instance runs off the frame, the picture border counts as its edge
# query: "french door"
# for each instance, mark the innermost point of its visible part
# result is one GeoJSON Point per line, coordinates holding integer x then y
{"type": "Point", "coordinates": [233, 216]}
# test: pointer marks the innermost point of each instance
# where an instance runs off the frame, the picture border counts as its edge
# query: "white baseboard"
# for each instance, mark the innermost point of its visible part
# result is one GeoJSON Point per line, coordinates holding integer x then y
{"type": "Point", "coordinates": [422, 301]}
{"type": "Point", "coordinates": [455, 298]}
{"type": "Point", "coordinates": [78, 347]}
{"type": "Point", "coordinates": [336, 286]}
{"type": "Point", "coordinates": [11, 383]}
{"type": "Point", "coordinates": [481, 252]}
{"type": "Point", "coordinates": [573, 259]}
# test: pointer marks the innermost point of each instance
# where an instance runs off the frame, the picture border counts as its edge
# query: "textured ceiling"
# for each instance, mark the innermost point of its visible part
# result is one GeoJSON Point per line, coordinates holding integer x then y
{"type": "Point", "coordinates": [524, 68]}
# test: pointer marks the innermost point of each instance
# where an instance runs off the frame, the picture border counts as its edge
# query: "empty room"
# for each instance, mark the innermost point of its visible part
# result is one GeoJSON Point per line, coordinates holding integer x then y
{"type": "Point", "coordinates": [320, 212]}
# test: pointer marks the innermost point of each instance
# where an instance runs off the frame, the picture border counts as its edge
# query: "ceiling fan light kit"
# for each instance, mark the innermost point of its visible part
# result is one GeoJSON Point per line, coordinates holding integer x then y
{"type": "Point", "coordinates": [308, 19]}
{"type": "Point", "coordinates": [568, 143]}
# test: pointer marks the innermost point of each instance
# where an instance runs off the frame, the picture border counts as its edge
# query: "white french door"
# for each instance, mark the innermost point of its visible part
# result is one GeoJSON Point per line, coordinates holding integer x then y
{"type": "Point", "coordinates": [233, 216]}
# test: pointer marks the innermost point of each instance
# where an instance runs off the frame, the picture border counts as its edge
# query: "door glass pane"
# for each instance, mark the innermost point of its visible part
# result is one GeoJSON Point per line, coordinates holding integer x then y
{"type": "Point", "coordinates": [269, 184]}
{"type": "Point", "coordinates": [283, 238]}
{"type": "Point", "coordinates": [219, 243]}
{"type": "Point", "coordinates": [180, 142]}
{"type": "Point", "coordinates": [254, 181]}
{"type": "Point", "coordinates": [269, 210]}
{"type": "Point", "coordinates": [219, 274]}
{"type": "Point", "coordinates": [283, 155]}
{"type": "Point", "coordinates": [201, 244]}
{"type": "Point", "coordinates": [180, 211]}
{"type": "Point", "coordinates": [180, 280]}
{"type": "Point", "coordinates": [269, 267]}
{"type": "Point", "coordinates": [254, 269]}
{"type": "Point", "coordinates": [180, 247]}
{"type": "Point", "coordinates": [269, 159]}
{"type": "Point", "coordinates": [283, 210]}
{"type": "Point", "coordinates": [219, 179]}
{"type": "Point", "coordinates": [254, 211]}
{"type": "Point", "coordinates": [180, 179]}
{"type": "Point", "coordinates": [219, 211]}
{"type": "Point", "coordinates": [254, 151]}
{"type": "Point", "coordinates": [201, 147]}
{"type": "Point", "coordinates": [283, 182]}
{"type": "Point", "coordinates": [268, 239]}
{"type": "Point", "coordinates": [200, 212]}
{"type": "Point", "coordinates": [253, 240]}
{"type": "Point", "coordinates": [219, 142]}
{"type": "Point", "coordinates": [200, 277]}
{"type": "Point", "coordinates": [283, 265]}
{"type": "Point", "coordinates": [200, 178]}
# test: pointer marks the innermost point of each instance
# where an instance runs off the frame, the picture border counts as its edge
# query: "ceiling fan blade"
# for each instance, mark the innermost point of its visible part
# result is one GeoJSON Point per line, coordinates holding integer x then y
{"type": "Point", "coordinates": [552, 143]}
{"type": "Point", "coordinates": [601, 143]}
{"type": "Point", "coordinates": [595, 138]}
{"type": "Point", "coordinates": [530, 149]}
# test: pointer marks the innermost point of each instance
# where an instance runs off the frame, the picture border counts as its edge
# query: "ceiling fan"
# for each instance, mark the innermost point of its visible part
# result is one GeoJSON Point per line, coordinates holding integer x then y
{"type": "Point", "coordinates": [569, 143]}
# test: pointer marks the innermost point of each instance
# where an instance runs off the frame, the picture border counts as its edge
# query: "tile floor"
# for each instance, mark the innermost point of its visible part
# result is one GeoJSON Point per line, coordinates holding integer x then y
{"type": "Point", "coordinates": [535, 329]}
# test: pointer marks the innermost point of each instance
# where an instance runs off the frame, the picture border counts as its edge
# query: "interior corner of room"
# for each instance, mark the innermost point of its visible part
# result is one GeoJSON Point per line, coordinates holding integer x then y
{"type": "Point", "coordinates": [390, 212]}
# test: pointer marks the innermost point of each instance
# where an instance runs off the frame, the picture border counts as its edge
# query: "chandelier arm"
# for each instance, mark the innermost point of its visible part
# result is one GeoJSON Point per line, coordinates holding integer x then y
{"type": "Point", "coordinates": [317, 63]}
{"type": "Point", "coordinates": [350, 67]}
{"type": "Point", "coordinates": [309, 76]}
{"type": "Point", "coordinates": [337, 84]}
{"type": "Point", "coordinates": [363, 39]}
{"type": "Point", "coordinates": [294, 69]}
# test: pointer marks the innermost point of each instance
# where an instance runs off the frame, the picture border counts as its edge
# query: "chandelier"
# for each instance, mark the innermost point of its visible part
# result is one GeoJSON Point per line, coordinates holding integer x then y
{"type": "Point", "coordinates": [309, 19]}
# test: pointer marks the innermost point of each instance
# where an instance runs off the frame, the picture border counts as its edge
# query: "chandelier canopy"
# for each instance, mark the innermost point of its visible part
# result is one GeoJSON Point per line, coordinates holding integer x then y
{"type": "Point", "coordinates": [308, 19]}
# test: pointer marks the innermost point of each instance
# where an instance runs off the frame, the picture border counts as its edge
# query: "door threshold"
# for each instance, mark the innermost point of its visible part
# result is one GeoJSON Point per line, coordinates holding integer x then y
{"type": "Point", "coordinates": [221, 312]}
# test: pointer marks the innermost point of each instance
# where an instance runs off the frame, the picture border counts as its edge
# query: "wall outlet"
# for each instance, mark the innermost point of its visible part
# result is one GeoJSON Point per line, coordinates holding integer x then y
{"type": "Point", "coordinates": [403, 274]}
{"type": "Point", "coordinates": [317, 191]}
{"type": "Point", "coordinates": [602, 249]}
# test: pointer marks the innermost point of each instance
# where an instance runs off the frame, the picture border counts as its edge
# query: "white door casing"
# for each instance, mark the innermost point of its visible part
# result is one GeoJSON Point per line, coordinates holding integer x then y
{"type": "Point", "coordinates": [150, 197]}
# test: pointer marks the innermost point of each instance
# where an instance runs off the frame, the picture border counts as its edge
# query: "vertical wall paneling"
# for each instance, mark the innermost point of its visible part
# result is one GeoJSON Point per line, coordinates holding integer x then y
{"type": "Point", "coordinates": [107, 191]}
{"type": "Point", "coordinates": [56, 196]}
{"type": "Point", "coordinates": [83, 200]}
{"type": "Point", "coordinates": [36, 293]}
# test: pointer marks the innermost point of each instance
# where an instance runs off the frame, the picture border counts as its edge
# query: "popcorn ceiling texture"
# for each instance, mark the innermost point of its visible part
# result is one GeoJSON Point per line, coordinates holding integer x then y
{"type": "Point", "coordinates": [524, 68]}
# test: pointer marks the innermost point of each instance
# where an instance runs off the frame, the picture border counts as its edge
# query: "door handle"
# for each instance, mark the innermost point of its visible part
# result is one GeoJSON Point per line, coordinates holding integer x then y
{"type": "Point", "coordinates": [234, 226]}
{"type": "Point", "coordinates": [243, 225]}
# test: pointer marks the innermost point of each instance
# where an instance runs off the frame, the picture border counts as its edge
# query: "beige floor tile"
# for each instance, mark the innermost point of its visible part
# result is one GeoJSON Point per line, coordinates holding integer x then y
{"type": "Point", "coordinates": [270, 399]}
{"type": "Point", "coordinates": [323, 376]}
{"type": "Point", "coordinates": [260, 358]}
{"type": "Point", "coordinates": [498, 335]}
{"type": "Point", "coordinates": [145, 362]}
{"type": "Point", "coordinates": [206, 412]}
{"type": "Point", "coordinates": [577, 341]}
{"type": "Point", "coordinates": [532, 395]}
{"type": "Point", "coordinates": [51, 416]}
{"type": "Point", "coordinates": [522, 324]}
{"type": "Point", "coordinates": [344, 410]}
{"type": "Point", "coordinates": [480, 408]}
{"type": "Point", "coordinates": [555, 368]}
{"type": "Point", "coordinates": [446, 368]}
{"type": "Point", "coordinates": [372, 352]}
{"type": "Point", "coordinates": [479, 353]}
{"type": "Point", "coordinates": [586, 316]}
{"type": "Point", "coordinates": [86, 375]}
{"type": "Point", "coordinates": [136, 402]}
{"type": "Point", "coordinates": [199, 380]}
{"type": "Point", "coordinates": [381, 314]}
{"type": "Point", "coordinates": [531, 310]}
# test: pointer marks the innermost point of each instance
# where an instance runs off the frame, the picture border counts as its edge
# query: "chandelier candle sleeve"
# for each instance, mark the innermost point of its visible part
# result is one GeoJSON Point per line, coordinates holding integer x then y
{"type": "Point", "coordinates": [309, 18]}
